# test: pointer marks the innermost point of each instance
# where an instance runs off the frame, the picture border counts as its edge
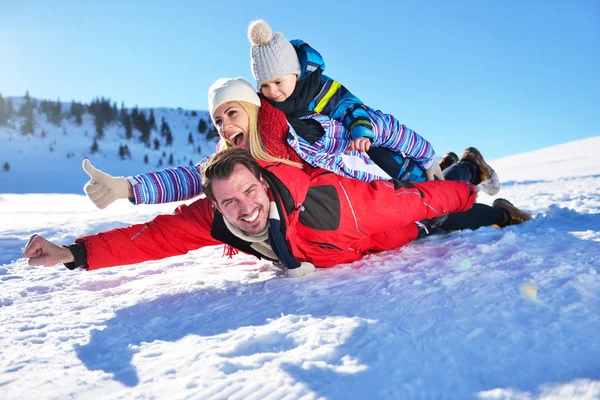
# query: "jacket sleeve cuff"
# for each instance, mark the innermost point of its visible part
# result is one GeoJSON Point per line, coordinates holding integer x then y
{"type": "Point", "coordinates": [79, 254]}
{"type": "Point", "coordinates": [361, 131]}
{"type": "Point", "coordinates": [138, 196]}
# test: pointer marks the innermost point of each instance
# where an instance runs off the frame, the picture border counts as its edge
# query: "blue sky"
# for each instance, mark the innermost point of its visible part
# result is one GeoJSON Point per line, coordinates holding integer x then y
{"type": "Point", "coordinates": [505, 76]}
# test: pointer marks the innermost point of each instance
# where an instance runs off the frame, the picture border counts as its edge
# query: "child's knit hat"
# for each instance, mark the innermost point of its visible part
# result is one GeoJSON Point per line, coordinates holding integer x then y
{"type": "Point", "coordinates": [271, 54]}
{"type": "Point", "coordinates": [230, 89]}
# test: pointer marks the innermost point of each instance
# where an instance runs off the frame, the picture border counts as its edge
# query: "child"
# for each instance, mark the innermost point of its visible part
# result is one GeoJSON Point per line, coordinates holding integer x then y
{"type": "Point", "coordinates": [290, 75]}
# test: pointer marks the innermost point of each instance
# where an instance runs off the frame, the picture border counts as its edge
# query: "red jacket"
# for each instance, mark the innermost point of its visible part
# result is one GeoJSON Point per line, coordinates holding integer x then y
{"type": "Point", "coordinates": [327, 219]}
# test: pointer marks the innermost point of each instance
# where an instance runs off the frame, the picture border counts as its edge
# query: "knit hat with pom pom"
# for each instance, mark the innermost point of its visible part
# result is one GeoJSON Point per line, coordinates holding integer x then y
{"type": "Point", "coordinates": [271, 54]}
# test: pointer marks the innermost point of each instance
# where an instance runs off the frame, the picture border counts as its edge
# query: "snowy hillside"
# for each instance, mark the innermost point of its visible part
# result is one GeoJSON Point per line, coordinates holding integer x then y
{"type": "Point", "coordinates": [49, 160]}
{"type": "Point", "coordinates": [486, 314]}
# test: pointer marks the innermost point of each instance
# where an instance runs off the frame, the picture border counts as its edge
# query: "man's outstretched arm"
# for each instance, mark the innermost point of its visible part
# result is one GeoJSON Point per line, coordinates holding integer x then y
{"type": "Point", "coordinates": [165, 236]}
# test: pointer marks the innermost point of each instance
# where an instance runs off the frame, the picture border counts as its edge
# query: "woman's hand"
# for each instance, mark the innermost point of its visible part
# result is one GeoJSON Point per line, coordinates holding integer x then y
{"type": "Point", "coordinates": [103, 189]}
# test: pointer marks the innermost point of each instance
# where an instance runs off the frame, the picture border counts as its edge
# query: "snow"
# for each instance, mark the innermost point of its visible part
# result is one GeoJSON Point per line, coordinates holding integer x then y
{"type": "Point", "coordinates": [488, 314]}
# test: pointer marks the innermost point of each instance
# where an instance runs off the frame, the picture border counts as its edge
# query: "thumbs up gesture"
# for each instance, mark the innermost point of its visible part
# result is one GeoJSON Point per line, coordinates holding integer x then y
{"type": "Point", "coordinates": [103, 189]}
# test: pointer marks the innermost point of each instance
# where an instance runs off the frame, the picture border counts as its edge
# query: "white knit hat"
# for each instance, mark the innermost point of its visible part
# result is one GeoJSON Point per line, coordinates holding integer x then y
{"type": "Point", "coordinates": [271, 54]}
{"type": "Point", "coordinates": [230, 89]}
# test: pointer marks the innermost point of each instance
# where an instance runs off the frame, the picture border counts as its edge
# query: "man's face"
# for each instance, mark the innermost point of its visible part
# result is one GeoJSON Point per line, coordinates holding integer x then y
{"type": "Point", "coordinates": [243, 200]}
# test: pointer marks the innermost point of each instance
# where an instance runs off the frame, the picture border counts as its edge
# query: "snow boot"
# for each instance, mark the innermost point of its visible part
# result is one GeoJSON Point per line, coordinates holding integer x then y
{"type": "Point", "coordinates": [429, 226]}
{"type": "Point", "coordinates": [514, 216]}
{"type": "Point", "coordinates": [487, 180]}
{"type": "Point", "coordinates": [448, 159]}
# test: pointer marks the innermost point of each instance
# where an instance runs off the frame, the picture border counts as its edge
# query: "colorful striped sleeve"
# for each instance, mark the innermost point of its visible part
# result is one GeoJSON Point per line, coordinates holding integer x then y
{"type": "Point", "coordinates": [168, 185]}
{"type": "Point", "coordinates": [391, 134]}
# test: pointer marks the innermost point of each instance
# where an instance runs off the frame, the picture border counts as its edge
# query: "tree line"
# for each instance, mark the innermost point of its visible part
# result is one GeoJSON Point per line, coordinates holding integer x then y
{"type": "Point", "coordinates": [104, 113]}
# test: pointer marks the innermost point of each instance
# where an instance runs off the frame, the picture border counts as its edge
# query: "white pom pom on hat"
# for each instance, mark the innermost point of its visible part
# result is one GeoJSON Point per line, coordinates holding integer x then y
{"type": "Point", "coordinates": [230, 89]}
{"type": "Point", "coordinates": [271, 54]}
{"type": "Point", "coordinates": [259, 33]}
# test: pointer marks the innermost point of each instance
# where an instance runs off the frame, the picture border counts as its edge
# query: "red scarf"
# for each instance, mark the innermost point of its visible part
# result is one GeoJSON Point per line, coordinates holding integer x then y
{"type": "Point", "coordinates": [274, 130]}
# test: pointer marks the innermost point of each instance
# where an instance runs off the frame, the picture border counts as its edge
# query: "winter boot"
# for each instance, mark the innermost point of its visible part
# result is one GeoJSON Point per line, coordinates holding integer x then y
{"type": "Point", "coordinates": [448, 159]}
{"type": "Point", "coordinates": [514, 216]}
{"type": "Point", "coordinates": [429, 226]}
{"type": "Point", "coordinates": [487, 180]}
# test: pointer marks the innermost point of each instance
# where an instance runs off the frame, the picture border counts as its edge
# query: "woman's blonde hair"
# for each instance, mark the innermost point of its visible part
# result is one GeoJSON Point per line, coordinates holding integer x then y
{"type": "Point", "coordinates": [257, 148]}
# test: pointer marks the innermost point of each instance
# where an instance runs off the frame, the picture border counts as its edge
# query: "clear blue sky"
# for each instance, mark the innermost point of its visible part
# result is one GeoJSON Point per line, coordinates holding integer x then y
{"type": "Point", "coordinates": [506, 76]}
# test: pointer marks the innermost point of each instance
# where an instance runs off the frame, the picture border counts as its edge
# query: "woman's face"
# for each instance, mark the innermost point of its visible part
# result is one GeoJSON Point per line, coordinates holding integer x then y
{"type": "Point", "coordinates": [233, 124]}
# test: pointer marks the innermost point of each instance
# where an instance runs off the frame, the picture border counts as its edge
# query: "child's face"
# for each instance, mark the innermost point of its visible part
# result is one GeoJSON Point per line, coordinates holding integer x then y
{"type": "Point", "coordinates": [280, 88]}
{"type": "Point", "coordinates": [233, 124]}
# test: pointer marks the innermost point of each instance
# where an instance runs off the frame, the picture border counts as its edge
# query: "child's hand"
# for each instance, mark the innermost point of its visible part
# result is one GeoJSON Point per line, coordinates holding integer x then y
{"type": "Point", "coordinates": [434, 173]}
{"type": "Point", "coordinates": [361, 144]}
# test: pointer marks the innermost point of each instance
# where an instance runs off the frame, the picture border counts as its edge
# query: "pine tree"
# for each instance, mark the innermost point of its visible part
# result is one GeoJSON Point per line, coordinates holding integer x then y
{"type": "Point", "coordinates": [123, 114]}
{"type": "Point", "coordinates": [6, 167]}
{"type": "Point", "coordinates": [134, 114]}
{"type": "Point", "coordinates": [99, 122]}
{"type": "Point", "coordinates": [94, 149]}
{"type": "Point", "coordinates": [171, 161]}
{"type": "Point", "coordinates": [124, 152]}
{"type": "Point", "coordinates": [212, 133]}
{"type": "Point", "coordinates": [146, 159]}
{"type": "Point", "coordinates": [27, 126]}
{"type": "Point", "coordinates": [54, 112]}
{"type": "Point", "coordinates": [202, 126]}
{"type": "Point", "coordinates": [3, 116]}
{"type": "Point", "coordinates": [190, 138]}
{"type": "Point", "coordinates": [27, 112]}
{"type": "Point", "coordinates": [165, 131]}
{"type": "Point", "coordinates": [141, 123]}
{"type": "Point", "coordinates": [152, 121]}
{"type": "Point", "coordinates": [77, 111]}
{"type": "Point", "coordinates": [10, 110]}
{"type": "Point", "coordinates": [128, 126]}
{"type": "Point", "coordinates": [27, 107]}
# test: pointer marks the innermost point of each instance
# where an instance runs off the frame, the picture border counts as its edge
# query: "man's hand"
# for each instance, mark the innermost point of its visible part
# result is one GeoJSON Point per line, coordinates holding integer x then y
{"type": "Point", "coordinates": [103, 189]}
{"type": "Point", "coordinates": [42, 252]}
{"type": "Point", "coordinates": [434, 173]}
{"type": "Point", "coordinates": [361, 144]}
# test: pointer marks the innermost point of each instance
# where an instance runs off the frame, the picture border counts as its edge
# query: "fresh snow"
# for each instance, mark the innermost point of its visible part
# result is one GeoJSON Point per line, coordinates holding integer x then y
{"type": "Point", "coordinates": [486, 314]}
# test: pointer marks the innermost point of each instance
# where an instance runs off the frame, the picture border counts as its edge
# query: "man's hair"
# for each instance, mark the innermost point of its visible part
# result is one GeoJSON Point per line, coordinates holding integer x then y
{"type": "Point", "coordinates": [221, 165]}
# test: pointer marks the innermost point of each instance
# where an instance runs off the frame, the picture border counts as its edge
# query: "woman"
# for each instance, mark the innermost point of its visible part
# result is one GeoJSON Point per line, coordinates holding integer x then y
{"type": "Point", "coordinates": [243, 120]}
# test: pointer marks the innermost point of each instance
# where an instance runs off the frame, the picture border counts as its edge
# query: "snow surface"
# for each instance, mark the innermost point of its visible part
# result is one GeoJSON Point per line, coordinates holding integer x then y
{"type": "Point", "coordinates": [486, 314]}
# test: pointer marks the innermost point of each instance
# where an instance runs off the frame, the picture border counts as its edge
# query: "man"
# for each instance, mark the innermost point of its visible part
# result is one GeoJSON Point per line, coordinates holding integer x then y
{"type": "Point", "coordinates": [276, 212]}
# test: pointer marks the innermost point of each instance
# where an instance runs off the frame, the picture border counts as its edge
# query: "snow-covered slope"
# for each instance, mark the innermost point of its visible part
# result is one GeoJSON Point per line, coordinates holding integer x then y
{"type": "Point", "coordinates": [568, 160]}
{"type": "Point", "coordinates": [49, 160]}
{"type": "Point", "coordinates": [489, 314]}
